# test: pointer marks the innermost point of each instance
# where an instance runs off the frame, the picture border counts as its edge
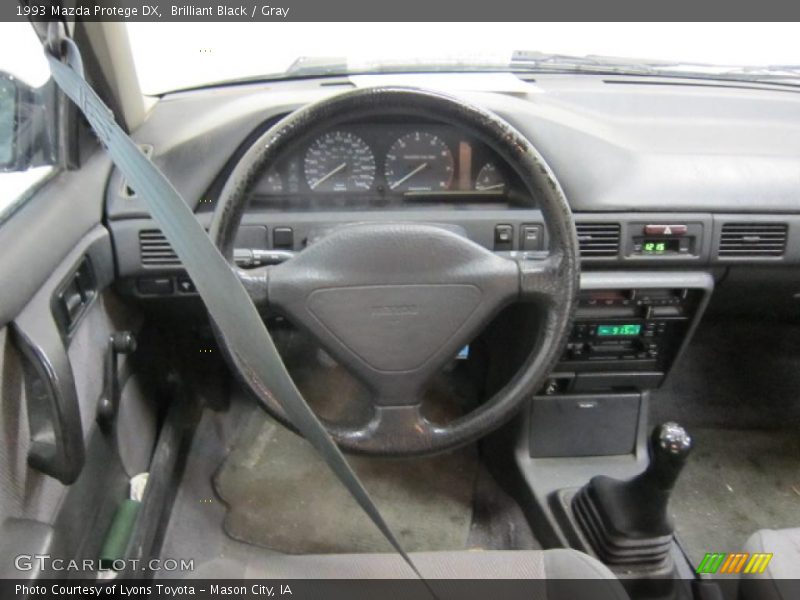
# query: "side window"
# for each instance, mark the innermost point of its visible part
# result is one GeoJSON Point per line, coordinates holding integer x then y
{"type": "Point", "coordinates": [27, 115]}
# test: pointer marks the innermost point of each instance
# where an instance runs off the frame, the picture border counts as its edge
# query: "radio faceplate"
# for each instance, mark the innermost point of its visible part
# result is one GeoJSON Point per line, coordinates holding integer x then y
{"type": "Point", "coordinates": [644, 341]}
{"type": "Point", "coordinates": [625, 338]}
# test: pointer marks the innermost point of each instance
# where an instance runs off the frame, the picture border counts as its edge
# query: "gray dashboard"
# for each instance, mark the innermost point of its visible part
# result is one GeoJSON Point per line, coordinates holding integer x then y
{"type": "Point", "coordinates": [615, 144]}
{"type": "Point", "coordinates": [721, 160]}
{"type": "Point", "coordinates": [678, 188]}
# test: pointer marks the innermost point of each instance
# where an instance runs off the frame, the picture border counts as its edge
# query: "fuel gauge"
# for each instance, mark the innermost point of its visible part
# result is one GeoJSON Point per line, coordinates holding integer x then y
{"type": "Point", "coordinates": [489, 179]}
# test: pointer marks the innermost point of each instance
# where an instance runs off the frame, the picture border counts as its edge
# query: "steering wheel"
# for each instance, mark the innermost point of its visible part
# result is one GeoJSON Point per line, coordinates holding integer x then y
{"type": "Point", "coordinates": [393, 303]}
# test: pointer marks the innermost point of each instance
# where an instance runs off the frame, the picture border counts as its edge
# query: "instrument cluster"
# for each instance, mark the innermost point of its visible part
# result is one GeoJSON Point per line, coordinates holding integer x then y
{"type": "Point", "coordinates": [387, 164]}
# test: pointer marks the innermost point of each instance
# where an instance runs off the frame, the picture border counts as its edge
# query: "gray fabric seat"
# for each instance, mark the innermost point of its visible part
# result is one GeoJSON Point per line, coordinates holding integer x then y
{"type": "Point", "coordinates": [781, 579]}
{"type": "Point", "coordinates": [550, 565]}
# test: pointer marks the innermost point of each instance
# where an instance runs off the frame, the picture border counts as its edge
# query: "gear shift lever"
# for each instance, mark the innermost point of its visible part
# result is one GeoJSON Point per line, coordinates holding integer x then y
{"type": "Point", "coordinates": [627, 522]}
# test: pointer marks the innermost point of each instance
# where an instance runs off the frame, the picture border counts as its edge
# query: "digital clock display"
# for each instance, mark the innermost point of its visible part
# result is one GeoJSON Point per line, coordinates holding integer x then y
{"type": "Point", "coordinates": [651, 246]}
{"type": "Point", "coordinates": [618, 330]}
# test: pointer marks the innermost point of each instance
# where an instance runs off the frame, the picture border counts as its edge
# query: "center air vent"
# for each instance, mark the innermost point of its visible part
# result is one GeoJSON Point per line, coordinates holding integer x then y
{"type": "Point", "coordinates": [598, 240]}
{"type": "Point", "coordinates": [742, 240]}
{"type": "Point", "coordinates": [155, 249]}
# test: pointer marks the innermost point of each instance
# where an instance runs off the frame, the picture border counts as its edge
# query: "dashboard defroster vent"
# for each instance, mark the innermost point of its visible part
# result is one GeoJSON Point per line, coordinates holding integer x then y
{"type": "Point", "coordinates": [155, 250]}
{"type": "Point", "coordinates": [742, 240]}
{"type": "Point", "coordinates": [598, 240]}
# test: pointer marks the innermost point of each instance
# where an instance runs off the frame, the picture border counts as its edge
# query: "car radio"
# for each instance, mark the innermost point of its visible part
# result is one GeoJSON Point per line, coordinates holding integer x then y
{"type": "Point", "coordinates": [625, 338]}
{"type": "Point", "coordinates": [594, 340]}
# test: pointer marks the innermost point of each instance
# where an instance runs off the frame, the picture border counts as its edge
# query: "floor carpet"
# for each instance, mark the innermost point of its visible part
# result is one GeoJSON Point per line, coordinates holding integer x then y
{"type": "Point", "coordinates": [282, 496]}
{"type": "Point", "coordinates": [736, 482]}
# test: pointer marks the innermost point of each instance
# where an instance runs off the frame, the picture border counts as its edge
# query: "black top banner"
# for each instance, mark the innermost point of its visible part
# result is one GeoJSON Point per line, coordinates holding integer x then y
{"type": "Point", "coordinates": [407, 10]}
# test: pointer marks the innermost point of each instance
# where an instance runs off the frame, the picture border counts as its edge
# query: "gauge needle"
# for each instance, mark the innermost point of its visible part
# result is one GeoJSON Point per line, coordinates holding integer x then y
{"type": "Point", "coordinates": [496, 186]}
{"type": "Point", "coordinates": [408, 176]}
{"type": "Point", "coordinates": [328, 175]}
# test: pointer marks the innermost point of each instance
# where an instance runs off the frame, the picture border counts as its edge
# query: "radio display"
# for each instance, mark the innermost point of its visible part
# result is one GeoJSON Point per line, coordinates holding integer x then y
{"type": "Point", "coordinates": [618, 330]}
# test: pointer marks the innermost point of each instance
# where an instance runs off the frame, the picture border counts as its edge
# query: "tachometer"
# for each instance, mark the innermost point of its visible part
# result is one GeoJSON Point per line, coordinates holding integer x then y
{"type": "Point", "coordinates": [419, 161]}
{"type": "Point", "coordinates": [339, 161]}
{"type": "Point", "coordinates": [272, 183]}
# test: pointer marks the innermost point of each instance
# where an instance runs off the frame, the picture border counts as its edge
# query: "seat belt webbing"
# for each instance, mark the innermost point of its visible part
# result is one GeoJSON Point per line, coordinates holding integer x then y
{"type": "Point", "coordinates": [225, 297]}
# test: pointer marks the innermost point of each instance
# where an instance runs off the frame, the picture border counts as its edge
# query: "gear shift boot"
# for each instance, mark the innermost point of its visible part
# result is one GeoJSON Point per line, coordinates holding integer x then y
{"type": "Point", "coordinates": [627, 522]}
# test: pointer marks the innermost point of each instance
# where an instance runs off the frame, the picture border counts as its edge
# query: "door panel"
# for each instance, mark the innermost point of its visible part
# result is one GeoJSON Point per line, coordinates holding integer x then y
{"type": "Point", "coordinates": [58, 319]}
{"type": "Point", "coordinates": [36, 238]}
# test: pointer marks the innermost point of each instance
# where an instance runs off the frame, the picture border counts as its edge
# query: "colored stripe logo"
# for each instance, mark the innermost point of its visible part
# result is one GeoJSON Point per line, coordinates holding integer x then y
{"type": "Point", "coordinates": [734, 563]}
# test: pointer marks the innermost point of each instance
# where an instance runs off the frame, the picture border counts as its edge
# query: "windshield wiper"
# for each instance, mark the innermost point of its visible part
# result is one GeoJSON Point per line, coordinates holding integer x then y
{"type": "Point", "coordinates": [769, 72]}
{"type": "Point", "coordinates": [591, 63]}
{"type": "Point", "coordinates": [604, 65]}
{"type": "Point", "coordinates": [315, 66]}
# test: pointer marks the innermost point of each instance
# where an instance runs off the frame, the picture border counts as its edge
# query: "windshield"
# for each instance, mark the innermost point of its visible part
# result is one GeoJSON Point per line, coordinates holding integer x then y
{"type": "Point", "coordinates": [172, 56]}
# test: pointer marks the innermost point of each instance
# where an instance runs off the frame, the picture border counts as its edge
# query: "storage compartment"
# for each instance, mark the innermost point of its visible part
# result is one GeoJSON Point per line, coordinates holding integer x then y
{"type": "Point", "coordinates": [624, 381]}
{"type": "Point", "coordinates": [584, 425]}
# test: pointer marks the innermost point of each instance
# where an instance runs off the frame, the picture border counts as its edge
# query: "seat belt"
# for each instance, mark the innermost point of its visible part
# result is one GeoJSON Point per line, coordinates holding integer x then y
{"type": "Point", "coordinates": [225, 297]}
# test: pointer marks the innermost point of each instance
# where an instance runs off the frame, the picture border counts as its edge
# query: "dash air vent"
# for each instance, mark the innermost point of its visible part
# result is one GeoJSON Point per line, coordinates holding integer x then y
{"type": "Point", "coordinates": [598, 240]}
{"type": "Point", "coordinates": [742, 240]}
{"type": "Point", "coordinates": [155, 249]}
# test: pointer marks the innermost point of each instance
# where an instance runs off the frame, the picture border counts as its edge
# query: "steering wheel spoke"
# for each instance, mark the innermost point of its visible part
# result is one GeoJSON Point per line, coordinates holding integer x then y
{"type": "Point", "coordinates": [542, 280]}
{"type": "Point", "coordinates": [390, 428]}
{"type": "Point", "coordinates": [256, 282]}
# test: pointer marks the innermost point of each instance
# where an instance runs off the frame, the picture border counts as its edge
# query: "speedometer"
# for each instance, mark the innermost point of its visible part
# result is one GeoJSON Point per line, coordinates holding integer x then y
{"type": "Point", "coordinates": [339, 161]}
{"type": "Point", "coordinates": [419, 161]}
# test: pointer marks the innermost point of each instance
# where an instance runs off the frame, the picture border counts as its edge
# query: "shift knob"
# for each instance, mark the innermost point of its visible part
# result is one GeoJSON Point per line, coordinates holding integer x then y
{"type": "Point", "coordinates": [673, 439]}
{"type": "Point", "coordinates": [670, 446]}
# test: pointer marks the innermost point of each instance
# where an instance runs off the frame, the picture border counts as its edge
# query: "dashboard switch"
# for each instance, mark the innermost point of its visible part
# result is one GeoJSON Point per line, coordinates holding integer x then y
{"type": "Point", "coordinates": [185, 285]}
{"type": "Point", "coordinates": [665, 229]}
{"type": "Point", "coordinates": [154, 286]}
{"type": "Point", "coordinates": [531, 237]}
{"type": "Point", "coordinates": [503, 237]}
{"type": "Point", "coordinates": [283, 238]}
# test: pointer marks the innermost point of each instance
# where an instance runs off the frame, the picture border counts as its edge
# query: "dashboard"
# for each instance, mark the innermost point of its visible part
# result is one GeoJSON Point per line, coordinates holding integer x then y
{"type": "Point", "coordinates": [387, 164]}
{"type": "Point", "coordinates": [686, 196]}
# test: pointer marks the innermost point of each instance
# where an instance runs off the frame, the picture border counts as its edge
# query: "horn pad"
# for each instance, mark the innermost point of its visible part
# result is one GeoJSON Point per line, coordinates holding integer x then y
{"type": "Point", "coordinates": [393, 298]}
{"type": "Point", "coordinates": [394, 327]}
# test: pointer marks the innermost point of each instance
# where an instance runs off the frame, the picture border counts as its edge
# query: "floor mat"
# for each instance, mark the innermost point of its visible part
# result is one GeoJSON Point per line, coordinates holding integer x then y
{"type": "Point", "coordinates": [736, 482]}
{"type": "Point", "coordinates": [281, 495]}
{"type": "Point", "coordinates": [498, 522]}
{"type": "Point", "coordinates": [735, 375]}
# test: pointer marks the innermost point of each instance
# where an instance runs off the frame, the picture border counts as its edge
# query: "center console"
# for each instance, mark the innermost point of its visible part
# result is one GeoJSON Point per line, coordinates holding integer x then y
{"type": "Point", "coordinates": [628, 330]}
{"type": "Point", "coordinates": [583, 451]}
